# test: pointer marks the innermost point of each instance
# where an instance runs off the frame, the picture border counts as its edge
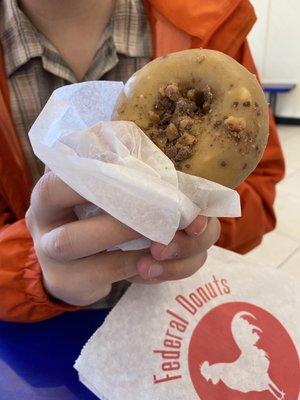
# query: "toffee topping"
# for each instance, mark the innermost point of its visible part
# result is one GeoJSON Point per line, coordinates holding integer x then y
{"type": "Point", "coordinates": [172, 118]}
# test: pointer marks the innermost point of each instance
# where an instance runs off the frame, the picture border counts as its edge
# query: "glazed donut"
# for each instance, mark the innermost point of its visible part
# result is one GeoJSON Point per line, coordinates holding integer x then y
{"type": "Point", "coordinates": [203, 109]}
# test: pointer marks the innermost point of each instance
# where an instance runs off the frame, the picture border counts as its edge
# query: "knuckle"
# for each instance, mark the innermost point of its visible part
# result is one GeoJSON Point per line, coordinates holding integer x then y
{"type": "Point", "coordinates": [59, 245]}
{"type": "Point", "coordinates": [125, 266]}
{"type": "Point", "coordinates": [42, 192]}
{"type": "Point", "coordinates": [211, 236]}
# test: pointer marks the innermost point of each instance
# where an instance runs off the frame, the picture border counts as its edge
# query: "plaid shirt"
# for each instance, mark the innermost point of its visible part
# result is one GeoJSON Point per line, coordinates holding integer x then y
{"type": "Point", "coordinates": [35, 68]}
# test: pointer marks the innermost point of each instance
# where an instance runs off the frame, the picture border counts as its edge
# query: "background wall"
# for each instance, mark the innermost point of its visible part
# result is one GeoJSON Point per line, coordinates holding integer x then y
{"type": "Point", "coordinates": [275, 43]}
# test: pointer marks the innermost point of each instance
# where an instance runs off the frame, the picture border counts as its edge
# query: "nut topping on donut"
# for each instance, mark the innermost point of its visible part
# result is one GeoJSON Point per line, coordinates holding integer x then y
{"type": "Point", "coordinates": [183, 153]}
{"type": "Point", "coordinates": [208, 99]}
{"type": "Point", "coordinates": [171, 91]}
{"type": "Point", "coordinates": [185, 107]}
{"type": "Point", "coordinates": [186, 139]}
{"type": "Point", "coordinates": [235, 124]}
{"type": "Point", "coordinates": [245, 95]}
{"type": "Point", "coordinates": [172, 118]}
{"type": "Point", "coordinates": [172, 132]}
{"type": "Point", "coordinates": [154, 117]}
{"type": "Point", "coordinates": [185, 123]}
{"type": "Point", "coordinates": [200, 59]}
{"type": "Point", "coordinates": [171, 152]}
{"type": "Point", "coordinates": [192, 94]}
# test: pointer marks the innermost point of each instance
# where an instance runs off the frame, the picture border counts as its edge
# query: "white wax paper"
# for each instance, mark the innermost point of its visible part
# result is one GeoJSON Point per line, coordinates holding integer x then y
{"type": "Point", "coordinates": [117, 168]}
{"type": "Point", "coordinates": [248, 359]}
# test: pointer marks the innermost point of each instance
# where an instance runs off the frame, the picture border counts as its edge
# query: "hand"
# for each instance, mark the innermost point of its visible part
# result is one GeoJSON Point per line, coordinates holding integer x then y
{"type": "Point", "coordinates": [186, 253]}
{"type": "Point", "coordinates": [70, 251]}
{"type": "Point", "coordinates": [75, 266]}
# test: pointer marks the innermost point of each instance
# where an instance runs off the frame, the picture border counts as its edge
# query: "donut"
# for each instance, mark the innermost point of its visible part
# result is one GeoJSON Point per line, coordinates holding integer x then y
{"type": "Point", "coordinates": [203, 109]}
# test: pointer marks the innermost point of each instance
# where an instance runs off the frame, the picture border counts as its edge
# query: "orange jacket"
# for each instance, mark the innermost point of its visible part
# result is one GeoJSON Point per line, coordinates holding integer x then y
{"type": "Point", "coordinates": [215, 24]}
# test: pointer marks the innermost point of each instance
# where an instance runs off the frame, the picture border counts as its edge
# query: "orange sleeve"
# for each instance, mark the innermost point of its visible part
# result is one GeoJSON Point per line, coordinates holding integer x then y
{"type": "Point", "coordinates": [23, 298]}
{"type": "Point", "coordinates": [257, 192]}
{"type": "Point", "coordinates": [22, 295]}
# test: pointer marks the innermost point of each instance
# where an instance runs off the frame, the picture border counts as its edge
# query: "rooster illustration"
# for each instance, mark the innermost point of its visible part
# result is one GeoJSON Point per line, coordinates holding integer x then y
{"type": "Point", "coordinates": [249, 372]}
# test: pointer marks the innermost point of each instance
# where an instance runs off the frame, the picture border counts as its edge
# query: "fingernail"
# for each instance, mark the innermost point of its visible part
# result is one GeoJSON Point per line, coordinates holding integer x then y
{"type": "Point", "coordinates": [155, 270]}
{"type": "Point", "coordinates": [170, 251]}
{"type": "Point", "coordinates": [197, 232]}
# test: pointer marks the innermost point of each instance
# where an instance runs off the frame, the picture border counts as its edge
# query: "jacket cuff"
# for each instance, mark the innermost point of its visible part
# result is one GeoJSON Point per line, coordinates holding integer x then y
{"type": "Point", "coordinates": [35, 291]}
{"type": "Point", "coordinates": [23, 296]}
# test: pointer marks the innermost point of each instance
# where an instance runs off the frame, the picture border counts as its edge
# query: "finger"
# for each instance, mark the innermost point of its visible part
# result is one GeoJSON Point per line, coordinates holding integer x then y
{"type": "Point", "coordinates": [112, 266]}
{"type": "Point", "coordinates": [86, 237]}
{"type": "Point", "coordinates": [51, 197]}
{"type": "Point", "coordinates": [149, 269]}
{"type": "Point", "coordinates": [197, 227]}
{"type": "Point", "coordinates": [183, 245]}
{"type": "Point", "coordinates": [85, 281]}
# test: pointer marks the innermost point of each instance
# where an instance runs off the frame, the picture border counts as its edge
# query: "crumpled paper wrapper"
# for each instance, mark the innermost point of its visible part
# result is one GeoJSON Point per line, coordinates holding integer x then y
{"type": "Point", "coordinates": [118, 169]}
{"type": "Point", "coordinates": [231, 331]}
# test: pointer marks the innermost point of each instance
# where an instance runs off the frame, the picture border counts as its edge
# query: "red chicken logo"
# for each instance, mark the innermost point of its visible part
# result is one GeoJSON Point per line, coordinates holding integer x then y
{"type": "Point", "coordinates": [239, 351]}
{"type": "Point", "coordinates": [249, 372]}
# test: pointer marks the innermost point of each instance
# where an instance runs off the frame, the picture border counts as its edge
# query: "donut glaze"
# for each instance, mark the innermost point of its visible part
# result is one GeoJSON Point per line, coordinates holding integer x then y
{"type": "Point", "coordinates": [203, 109]}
